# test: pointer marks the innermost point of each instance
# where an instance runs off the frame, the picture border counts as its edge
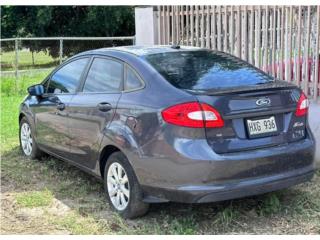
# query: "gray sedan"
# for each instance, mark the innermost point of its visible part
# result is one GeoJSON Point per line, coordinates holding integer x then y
{"type": "Point", "coordinates": [170, 123]}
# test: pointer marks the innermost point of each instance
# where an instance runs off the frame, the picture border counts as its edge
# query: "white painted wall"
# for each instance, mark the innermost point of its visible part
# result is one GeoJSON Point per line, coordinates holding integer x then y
{"type": "Point", "coordinates": [146, 26]}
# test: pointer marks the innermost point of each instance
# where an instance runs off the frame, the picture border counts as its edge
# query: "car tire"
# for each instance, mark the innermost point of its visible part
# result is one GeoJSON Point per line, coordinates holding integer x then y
{"type": "Point", "coordinates": [123, 193]}
{"type": "Point", "coordinates": [28, 144]}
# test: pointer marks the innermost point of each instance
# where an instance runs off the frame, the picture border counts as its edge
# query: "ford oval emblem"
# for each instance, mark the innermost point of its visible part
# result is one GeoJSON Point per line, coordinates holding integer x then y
{"type": "Point", "coordinates": [263, 102]}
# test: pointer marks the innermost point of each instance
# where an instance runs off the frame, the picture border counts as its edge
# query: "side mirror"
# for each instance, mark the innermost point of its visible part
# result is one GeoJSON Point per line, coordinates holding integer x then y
{"type": "Point", "coordinates": [36, 90]}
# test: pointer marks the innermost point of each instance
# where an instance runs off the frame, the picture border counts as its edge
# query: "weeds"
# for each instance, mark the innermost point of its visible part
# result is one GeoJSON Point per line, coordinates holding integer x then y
{"type": "Point", "coordinates": [77, 224]}
{"type": "Point", "coordinates": [187, 225]}
{"type": "Point", "coordinates": [34, 199]}
{"type": "Point", "coordinates": [270, 205]}
{"type": "Point", "coordinates": [227, 215]}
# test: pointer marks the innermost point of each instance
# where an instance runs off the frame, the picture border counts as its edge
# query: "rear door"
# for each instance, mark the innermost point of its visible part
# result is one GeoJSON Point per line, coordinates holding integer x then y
{"type": "Point", "coordinates": [93, 108]}
{"type": "Point", "coordinates": [51, 114]}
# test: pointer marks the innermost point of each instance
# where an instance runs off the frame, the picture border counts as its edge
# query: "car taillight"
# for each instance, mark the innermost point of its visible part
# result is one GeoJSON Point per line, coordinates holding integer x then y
{"type": "Point", "coordinates": [302, 106]}
{"type": "Point", "coordinates": [193, 114]}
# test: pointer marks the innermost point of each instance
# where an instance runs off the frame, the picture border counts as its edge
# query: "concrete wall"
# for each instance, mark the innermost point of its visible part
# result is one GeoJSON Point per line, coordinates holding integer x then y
{"type": "Point", "coordinates": [314, 121]}
{"type": "Point", "coordinates": [146, 26]}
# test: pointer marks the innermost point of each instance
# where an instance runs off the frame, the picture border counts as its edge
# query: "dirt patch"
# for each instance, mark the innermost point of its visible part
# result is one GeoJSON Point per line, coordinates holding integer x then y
{"type": "Point", "coordinates": [58, 208]}
{"type": "Point", "coordinates": [15, 220]}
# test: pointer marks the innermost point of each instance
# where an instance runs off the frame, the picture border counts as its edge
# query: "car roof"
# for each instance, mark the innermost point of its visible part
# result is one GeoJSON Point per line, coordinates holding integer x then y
{"type": "Point", "coordinates": [145, 50]}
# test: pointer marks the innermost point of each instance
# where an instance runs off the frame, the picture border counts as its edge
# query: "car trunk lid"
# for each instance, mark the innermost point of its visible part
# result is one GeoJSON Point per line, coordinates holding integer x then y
{"type": "Point", "coordinates": [254, 117]}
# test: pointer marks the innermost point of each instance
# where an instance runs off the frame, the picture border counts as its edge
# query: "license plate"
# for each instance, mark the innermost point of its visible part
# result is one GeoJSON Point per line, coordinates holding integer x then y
{"type": "Point", "coordinates": [262, 126]}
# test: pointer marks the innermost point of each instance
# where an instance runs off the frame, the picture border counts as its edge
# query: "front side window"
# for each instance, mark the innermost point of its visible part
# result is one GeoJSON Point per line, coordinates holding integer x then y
{"type": "Point", "coordinates": [67, 78]}
{"type": "Point", "coordinates": [105, 75]}
{"type": "Point", "coordinates": [132, 81]}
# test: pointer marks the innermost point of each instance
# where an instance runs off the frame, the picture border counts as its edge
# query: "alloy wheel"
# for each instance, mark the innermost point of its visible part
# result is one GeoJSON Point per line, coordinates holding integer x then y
{"type": "Point", "coordinates": [26, 139]}
{"type": "Point", "coordinates": [118, 186]}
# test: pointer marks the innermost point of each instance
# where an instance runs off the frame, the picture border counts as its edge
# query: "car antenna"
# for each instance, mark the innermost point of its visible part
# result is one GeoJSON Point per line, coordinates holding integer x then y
{"type": "Point", "coordinates": [175, 46]}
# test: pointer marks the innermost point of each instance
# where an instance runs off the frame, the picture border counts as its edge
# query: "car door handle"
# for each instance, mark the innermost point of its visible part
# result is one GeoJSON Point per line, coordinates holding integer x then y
{"type": "Point", "coordinates": [61, 106]}
{"type": "Point", "coordinates": [104, 107]}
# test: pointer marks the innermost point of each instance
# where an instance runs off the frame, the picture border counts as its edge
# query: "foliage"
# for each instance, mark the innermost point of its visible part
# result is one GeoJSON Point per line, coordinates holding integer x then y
{"type": "Point", "coordinates": [64, 21]}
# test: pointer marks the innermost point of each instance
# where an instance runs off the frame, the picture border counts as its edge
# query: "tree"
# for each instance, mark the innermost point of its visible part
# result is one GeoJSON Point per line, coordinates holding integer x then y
{"type": "Point", "coordinates": [67, 21]}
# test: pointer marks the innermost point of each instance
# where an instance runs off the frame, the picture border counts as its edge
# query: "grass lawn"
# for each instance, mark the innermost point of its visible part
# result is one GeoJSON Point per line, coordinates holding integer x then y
{"type": "Point", "coordinates": [41, 60]}
{"type": "Point", "coordinates": [49, 196]}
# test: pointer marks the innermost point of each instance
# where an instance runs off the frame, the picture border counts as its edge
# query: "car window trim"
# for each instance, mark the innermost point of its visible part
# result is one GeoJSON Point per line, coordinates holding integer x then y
{"type": "Point", "coordinates": [85, 74]}
{"type": "Point", "coordinates": [138, 76]}
{"type": "Point", "coordinates": [88, 69]}
{"type": "Point", "coordinates": [46, 94]}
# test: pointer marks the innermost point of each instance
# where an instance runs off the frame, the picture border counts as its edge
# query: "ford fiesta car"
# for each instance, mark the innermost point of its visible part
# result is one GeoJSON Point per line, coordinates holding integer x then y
{"type": "Point", "coordinates": [170, 123]}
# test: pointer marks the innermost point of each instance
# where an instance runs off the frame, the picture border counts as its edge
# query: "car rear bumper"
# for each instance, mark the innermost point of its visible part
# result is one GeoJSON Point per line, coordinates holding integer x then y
{"type": "Point", "coordinates": [233, 176]}
{"type": "Point", "coordinates": [255, 189]}
{"type": "Point", "coordinates": [215, 193]}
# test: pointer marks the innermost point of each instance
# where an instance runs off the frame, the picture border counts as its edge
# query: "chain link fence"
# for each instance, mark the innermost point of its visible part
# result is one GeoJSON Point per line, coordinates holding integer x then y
{"type": "Point", "coordinates": [21, 56]}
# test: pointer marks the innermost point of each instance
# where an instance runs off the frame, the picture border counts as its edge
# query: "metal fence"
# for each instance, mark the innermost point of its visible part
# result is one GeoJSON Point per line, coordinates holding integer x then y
{"type": "Point", "coordinates": [281, 40]}
{"type": "Point", "coordinates": [19, 55]}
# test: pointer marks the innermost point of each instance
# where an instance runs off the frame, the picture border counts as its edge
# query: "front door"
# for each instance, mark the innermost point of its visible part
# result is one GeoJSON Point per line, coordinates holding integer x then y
{"type": "Point", "coordinates": [52, 110]}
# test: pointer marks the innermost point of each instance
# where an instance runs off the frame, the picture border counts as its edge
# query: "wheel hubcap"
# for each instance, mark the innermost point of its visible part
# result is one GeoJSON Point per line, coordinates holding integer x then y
{"type": "Point", "coordinates": [118, 186]}
{"type": "Point", "coordinates": [26, 139]}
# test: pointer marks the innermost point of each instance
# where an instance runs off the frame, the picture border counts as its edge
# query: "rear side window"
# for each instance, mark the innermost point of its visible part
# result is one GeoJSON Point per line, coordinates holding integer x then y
{"type": "Point", "coordinates": [132, 81]}
{"type": "Point", "coordinates": [105, 75]}
{"type": "Point", "coordinates": [202, 70]}
{"type": "Point", "coordinates": [67, 78]}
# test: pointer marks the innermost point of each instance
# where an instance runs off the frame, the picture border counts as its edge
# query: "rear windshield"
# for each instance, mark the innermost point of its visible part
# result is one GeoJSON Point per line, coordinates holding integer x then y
{"type": "Point", "coordinates": [202, 70]}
